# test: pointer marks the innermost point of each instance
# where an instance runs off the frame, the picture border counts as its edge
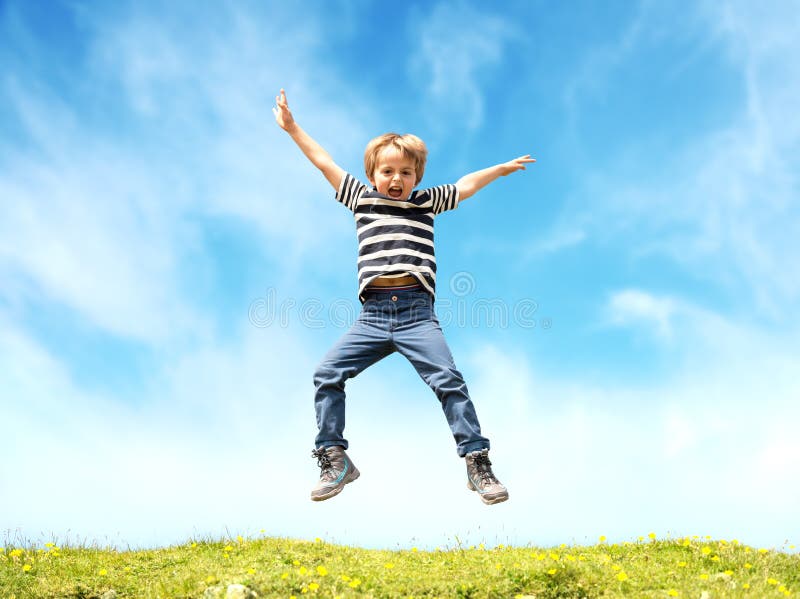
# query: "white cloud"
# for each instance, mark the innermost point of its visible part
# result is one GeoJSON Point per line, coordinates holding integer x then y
{"type": "Point", "coordinates": [633, 306]}
{"type": "Point", "coordinates": [456, 47]}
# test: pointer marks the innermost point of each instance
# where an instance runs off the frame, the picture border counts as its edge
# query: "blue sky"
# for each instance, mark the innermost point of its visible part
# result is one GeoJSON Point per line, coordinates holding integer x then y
{"type": "Point", "coordinates": [173, 269]}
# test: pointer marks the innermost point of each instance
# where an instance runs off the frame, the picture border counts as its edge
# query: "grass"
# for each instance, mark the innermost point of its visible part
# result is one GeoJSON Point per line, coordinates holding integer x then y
{"type": "Point", "coordinates": [273, 567]}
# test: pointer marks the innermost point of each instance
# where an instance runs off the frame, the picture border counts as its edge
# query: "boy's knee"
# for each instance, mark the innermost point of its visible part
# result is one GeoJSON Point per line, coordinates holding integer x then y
{"type": "Point", "coordinates": [327, 374]}
{"type": "Point", "coordinates": [446, 380]}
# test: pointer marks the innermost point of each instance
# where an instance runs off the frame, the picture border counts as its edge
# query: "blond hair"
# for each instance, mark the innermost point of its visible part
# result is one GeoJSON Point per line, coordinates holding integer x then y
{"type": "Point", "coordinates": [410, 146]}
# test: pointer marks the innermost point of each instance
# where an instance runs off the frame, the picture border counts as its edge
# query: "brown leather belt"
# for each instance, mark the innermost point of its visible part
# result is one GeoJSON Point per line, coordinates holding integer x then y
{"type": "Point", "coordinates": [392, 282]}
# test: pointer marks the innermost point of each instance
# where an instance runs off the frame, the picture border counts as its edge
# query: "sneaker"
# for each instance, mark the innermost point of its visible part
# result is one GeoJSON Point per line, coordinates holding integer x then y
{"type": "Point", "coordinates": [336, 471]}
{"type": "Point", "coordinates": [480, 478]}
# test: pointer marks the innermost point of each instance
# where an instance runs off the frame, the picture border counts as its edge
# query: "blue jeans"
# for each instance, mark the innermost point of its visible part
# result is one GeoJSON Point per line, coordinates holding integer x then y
{"type": "Point", "coordinates": [404, 321]}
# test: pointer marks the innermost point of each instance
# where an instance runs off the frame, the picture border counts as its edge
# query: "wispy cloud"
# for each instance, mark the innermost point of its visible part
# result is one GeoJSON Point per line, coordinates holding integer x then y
{"type": "Point", "coordinates": [457, 45]}
{"type": "Point", "coordinates": [722, 204]}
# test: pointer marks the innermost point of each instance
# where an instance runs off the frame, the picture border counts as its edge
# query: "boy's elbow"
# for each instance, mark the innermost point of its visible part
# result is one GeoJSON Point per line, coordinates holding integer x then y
{"type": "Point", "coordinates": [465, 190]}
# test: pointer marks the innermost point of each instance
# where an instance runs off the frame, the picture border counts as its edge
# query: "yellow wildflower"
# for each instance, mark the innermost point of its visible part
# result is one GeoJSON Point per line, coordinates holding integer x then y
{"type": "Point", "coordinates": [715, 558]}
{"type": "Point", "coordinates": [354, 583]}
{"type": "Point", "coordinates": [27, 568]}
{"type": "Point", "coordinates": [602, 538]}
{"type": "Point", "coordinates": [303, 570]}
{"type": "Point", "coordinates": [284, 576]}
{"type": "Point", "coordinates": [704, 577]}
{"type": "Point", "coordinates": [622, 577]}
{"type": "Point", "coordinates": [682, 564]}
{"type": "Point", "coordinates": [672, 593]}
{"type": "Point", "coordinates": [313, 586]}
{"type": "Point", "coordinates": [772, 581]}
{"type": "Point", "coordinates": [706, 550]}
{"type": "Point", "coordinates": [322, 570]}
{"type": "Point", "coordinates": [345, 577]}
{"type": "Point", "coordinates": [16, 553]}
{"type": "Point", "coordinates": [762, 550]}
{"type": "Point", "coordinates": [652, 536]}
{"type": "Point", "coordinates": [388, 566]}
{"type": "Point", "coordinates": [748, 565]}
{"type": "Point", "coordinates": [552, 571]}
{"type": "Point", "coordinates": [103, 572]}
{"type": "Point", "coordinates": [228, 548]}
{"type": "Point", "coordinates": [295, 563]}
{"type": "Point", "coordinates": [48, 545]}
{"type": "Point", "coordinates": [251, 571]}
{"type": "Point", "coordinates": [746, 585]}
{"type": "Point", "coordinates": [414, 549]}
{"type": "Point", "coordinates": [240, 539]}
{"type": "Point", "coordinates": [729, 572]}
{"type": "Point", "coordinates": [554, 556]}
{"type": "Point", "coordinates": [211, 579]}
{"type": "Point", "coordinates": [194, 545]}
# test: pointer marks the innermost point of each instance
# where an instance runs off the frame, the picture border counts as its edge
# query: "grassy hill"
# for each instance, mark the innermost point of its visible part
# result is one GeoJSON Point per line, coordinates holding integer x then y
{"type": "Point", "coordinates": [272, 567]}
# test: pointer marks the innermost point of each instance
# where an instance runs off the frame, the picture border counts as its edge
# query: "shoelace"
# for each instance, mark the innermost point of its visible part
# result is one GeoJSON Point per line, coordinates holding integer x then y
{"type": "Point", "coordinates": [484, 467]}
{"type": "Point", "coordinates": [323, 460]}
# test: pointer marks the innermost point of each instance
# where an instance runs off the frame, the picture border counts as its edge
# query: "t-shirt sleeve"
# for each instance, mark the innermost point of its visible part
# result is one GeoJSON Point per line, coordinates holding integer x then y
{"type": "Point", "coordinates": [443, 198]}
{"type": "Point", "coordinates": [350, 189]}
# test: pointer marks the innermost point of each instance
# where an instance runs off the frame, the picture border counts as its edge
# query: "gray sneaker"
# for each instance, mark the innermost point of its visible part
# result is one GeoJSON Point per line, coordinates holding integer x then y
{"type": "Point", "coordinates": [336, 471]}
{"type": "Point", "coordinates": [480, 478]}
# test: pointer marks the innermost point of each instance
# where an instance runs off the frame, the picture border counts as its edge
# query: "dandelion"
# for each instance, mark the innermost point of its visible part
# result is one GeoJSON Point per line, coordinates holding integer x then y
{"type": "Point", "coordinates": [706, 550]}
{"type": "Point", "coordinates": [239, 539]}
{"type": "Point", "coordinates": [652, 536]}
{"type": "Point", "coordinates": [772, 581]}
{"type": "Point", "coordinates": [16, 553]}
{"type": "Point", "coordinates": [355, 583]}
{"type": "Point", "coordinates": [251, 571]}
{"type": "Point", "coordinates": [748, 566]}
{"type": "Point", "coordinates": [49, 545]}
{"type": "Point", "coordinates": [228, 548]}
{"type": "Point", "coordinates": [602, 538]}
{"type": "Point", "coordinates": [194, 545]}
{"type": "Point", "coordinates": [414, 549]}
{"type": "Point", "coordinates": [313, 586]}
{"type": "Point", "coordinates": [715, 558]}
{"type": "Point", "coordinates": [763, 551]}
{"type": "Point", "coordinates": [127, 568]}
{"type": "Point", "coordinates": [317, 540]}
{"type": "Point", "coordinates": [284, 576]}
{"type": "Point", "coordinates": [303, 570]}
{"type": "Point", "coordinates": [211, 579]}
{"type": "Point", "coordinates": [322, 570]}
{"type": "Point", "coordinates": [622, 577]}
{"type": "Point", "coordinates": [704, 577]}
{"type": "Point", "coordinates": [103, 572]}
{"type": "Point", "coordinates": [552, 571]}
{"type": "Point", "coordinates": [388, 566]}
{"type": "Point", "coordinates": [27, 568]}
{"type": "Point", "coordinates": [729, 572]}
{"type": "Point", "coordinates": [555, 557]}
{"type": "Point", "coordinates": [570, 558]}
{"type": "Point", "coordinates": [345, 577]}
{"type": "Point", "coordinates": [682, 564]}
{"type": "Point", "coordinates": [295, 563]}
{"type": "Point", "coordinates": [672, 593]}
{"type": "Point", "coordinates": [746, 585]}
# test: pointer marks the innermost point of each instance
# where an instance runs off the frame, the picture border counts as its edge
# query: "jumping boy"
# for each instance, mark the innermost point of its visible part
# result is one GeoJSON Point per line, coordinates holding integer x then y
{"type": "Point", "coordinates": [396, 285]}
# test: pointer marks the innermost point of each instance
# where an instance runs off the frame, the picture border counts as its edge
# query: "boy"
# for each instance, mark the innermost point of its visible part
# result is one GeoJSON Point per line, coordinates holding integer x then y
{"type": "Point", "coordinates": [397, 281]}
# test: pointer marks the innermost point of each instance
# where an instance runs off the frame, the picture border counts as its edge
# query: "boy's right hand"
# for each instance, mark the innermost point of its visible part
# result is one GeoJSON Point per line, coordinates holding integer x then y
{"type": "Point", "coordinates": [283, 115]}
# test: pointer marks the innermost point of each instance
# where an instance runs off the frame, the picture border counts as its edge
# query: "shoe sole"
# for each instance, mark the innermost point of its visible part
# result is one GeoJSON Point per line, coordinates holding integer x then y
{"type": "Point", "coordinates": [488, 500]}
{"type": "Point", "coordinates": [334, 491]}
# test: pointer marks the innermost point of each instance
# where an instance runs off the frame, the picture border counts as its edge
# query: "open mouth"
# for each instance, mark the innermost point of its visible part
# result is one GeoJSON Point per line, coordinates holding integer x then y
{"type": "Point", "coordinates": [395, 192]}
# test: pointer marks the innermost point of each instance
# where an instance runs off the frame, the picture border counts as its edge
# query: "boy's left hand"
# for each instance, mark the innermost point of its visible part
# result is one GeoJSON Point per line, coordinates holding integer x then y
{"type": "Point", "coordinates": [518, 164]}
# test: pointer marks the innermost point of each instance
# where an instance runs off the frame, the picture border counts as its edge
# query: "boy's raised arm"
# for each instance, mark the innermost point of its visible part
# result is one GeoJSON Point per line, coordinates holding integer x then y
{"type": "Point", "coordinates": [313, 151]}
{"type": "Point", "coordinates": [469, 184]}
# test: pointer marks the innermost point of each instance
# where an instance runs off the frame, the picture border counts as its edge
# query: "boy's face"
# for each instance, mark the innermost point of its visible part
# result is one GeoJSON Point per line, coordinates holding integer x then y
{"type": "Point", "coordinates": [395, 175]}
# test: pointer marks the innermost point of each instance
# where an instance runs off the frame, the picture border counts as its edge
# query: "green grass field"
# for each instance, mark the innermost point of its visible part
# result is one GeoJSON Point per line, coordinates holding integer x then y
{"type": "Point", "coordinates": [271, 567]}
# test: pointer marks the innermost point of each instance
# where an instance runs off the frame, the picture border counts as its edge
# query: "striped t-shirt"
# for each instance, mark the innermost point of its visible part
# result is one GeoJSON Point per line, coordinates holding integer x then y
{"type": "Point", "coordinates": [395, 238]}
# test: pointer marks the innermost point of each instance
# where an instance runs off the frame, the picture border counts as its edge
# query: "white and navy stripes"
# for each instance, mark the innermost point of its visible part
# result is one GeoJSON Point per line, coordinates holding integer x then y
{"type": "Point", "coordinates": [395, 238]}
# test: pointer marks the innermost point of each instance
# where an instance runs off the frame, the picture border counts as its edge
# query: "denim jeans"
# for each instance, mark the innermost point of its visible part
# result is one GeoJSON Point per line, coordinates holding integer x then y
{"type": "Point", "coordinates": [404, 321]}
